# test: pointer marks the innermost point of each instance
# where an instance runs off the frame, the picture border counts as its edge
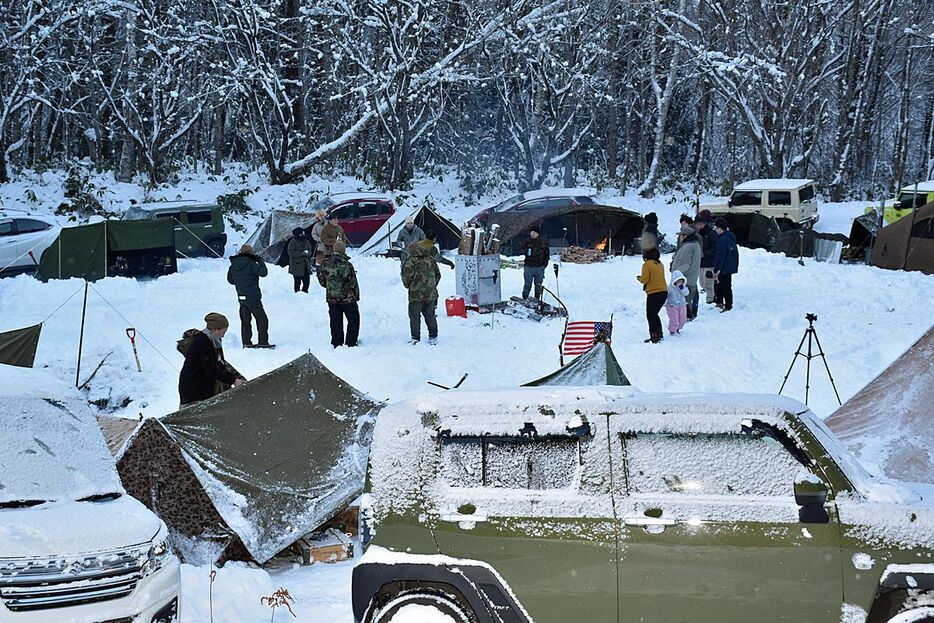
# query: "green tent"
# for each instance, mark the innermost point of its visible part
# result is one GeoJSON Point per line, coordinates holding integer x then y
{"type": "Point", "coordinates": [598, 366]}
{"type": "Point", "coordinates": [18, 347]}
{"type": "Point", "coordinates": [111, 249]}
{"type": "Point", "coordinates": [249, 472]}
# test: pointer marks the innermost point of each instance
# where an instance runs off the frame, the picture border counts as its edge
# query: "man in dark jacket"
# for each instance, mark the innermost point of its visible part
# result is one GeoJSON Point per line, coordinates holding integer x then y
{"type": "Point", "coordinates": [726, 264]}
{"type": "Point", "coordinates": [339, 280]}
{"type": "Point", "coordinates": [420, 276]}
{"type": "Point", "coordinates": [708, 236]}
{"type": "Point", "coordinates": [536, 254]}
{"type": "Point", "coordinates": [205, 372]}
{"type": "Point", "coordinates": [650, 235]}
{"type": "Point", "coordinates": [244, 273]}
{"type": "Point", "coordinates": [301, 259]}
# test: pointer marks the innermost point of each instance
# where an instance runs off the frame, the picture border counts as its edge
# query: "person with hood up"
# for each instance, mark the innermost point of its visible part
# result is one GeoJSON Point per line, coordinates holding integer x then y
{"type": "Point", "coordinates": [301, 259]}
{"type": "Point", "coordinates": [205, 372]}
{"type": "Point", "coordinates": [420, 276]}
{"type": "Point", "coordinates": [687, 260]}
{"type": "Point", "coordinates": [339, 280]}
{"type": "Point", "coordinates": [708, 238]}
{"type": "Point", "coordinates": [650, 235]}
{"type": "Point", "coordinates": [726, 264]}
{"type": "Point", "coordinates": [677, 303]}
{"type": "Point", "coordinates": [244, 273]}
{"type": "Point", "coordinates": [656, 292]}
{"type": "Point", "coordinates": [536, 252]}
{"type": "Point", "coordinates": [408, 234]}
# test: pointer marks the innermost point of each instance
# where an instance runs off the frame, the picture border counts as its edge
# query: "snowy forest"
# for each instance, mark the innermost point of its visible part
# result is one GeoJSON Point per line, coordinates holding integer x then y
{"type": "Point", "coordinates": [641, 94]}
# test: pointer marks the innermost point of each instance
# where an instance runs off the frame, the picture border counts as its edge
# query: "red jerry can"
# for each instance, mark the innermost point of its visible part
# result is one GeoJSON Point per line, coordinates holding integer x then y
{"type": "Point", "coordinates": [454, 305]}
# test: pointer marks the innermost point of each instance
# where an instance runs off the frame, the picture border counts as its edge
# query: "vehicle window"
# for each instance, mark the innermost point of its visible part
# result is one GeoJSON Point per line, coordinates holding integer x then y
{"type": "Point", "coordinates": [28, 225]}
{"type": "Point", "coordinates": [135, 214]}
{"type": "Point", "coordinates": [923, 229]}
{"type": "Point", "coordinates": [6, 228]}
{"type": "Point", "coordinates": [746, 198]}
{"type": "Point", "coordinates": [584, 201]}
{"type": "Point", "coordinates": [385, 208]}
{"type": "Point", "coordinates": [806, 193]}
{"type": "Point", "coordinates": [170, 215]}
{"type": "Point", "coordinates": [507, 204]}
{"type": "Point", "coordinates": [343, 212]}
{"type": "Point", "coordinates": [779, 198]}
{"type": "Point", "coordinates": [198, 217]}
{"type": "Point", "coordinates": [754, 464]}
{"type": "Point", "coordinates": [911, 201]}
{"type": "Point", "coordinates": [510, 463]}
{"type": "Point", "coordinates": [368, 208]}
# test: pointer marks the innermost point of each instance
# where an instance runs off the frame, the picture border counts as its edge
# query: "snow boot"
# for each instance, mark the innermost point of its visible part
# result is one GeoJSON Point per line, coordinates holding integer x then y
{"type": "Point", "coordinates": [432, 340]}
{"type": "Point", "coordinates": [264, 346]}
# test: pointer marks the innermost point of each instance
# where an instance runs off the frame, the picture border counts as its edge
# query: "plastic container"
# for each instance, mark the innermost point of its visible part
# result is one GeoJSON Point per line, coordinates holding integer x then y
{"type": "Point", "coordinates": [454, 305]}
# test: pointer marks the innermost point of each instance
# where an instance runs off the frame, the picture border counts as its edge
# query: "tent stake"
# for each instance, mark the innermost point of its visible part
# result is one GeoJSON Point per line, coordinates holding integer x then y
{"type": "Point", "coordinates": [84, 309]}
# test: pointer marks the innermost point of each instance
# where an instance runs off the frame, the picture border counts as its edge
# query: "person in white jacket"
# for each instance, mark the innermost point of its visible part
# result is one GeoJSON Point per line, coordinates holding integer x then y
{"type": "Point", "coordinates": [677, 303]}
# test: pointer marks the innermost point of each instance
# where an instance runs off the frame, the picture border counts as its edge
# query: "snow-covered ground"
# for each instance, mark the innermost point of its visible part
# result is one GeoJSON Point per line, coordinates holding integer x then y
{"type": "Point", "coordinates": [867, 317]}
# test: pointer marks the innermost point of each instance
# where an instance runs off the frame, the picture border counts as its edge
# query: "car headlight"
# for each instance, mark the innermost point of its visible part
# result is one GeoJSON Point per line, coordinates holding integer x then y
{"type": "Point", "coordinates": [159, 553]}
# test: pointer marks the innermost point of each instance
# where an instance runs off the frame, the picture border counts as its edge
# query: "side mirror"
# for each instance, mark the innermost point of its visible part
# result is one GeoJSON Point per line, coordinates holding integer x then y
{"type": "Point", "coordinates": [729, 203]}
{"type": "Point", "coordinates": [897, 205]}
{"type": "Point", "coordinates": [811, 495]}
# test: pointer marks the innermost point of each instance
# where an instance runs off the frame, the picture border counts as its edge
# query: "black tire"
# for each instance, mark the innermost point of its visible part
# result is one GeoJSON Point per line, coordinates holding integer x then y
{"type": "Point", "coordinates": [440, 601]}
{"type": "Point", "coordinates": [216, 246]}
{"type": "Point", "coordinates": [921, 614]}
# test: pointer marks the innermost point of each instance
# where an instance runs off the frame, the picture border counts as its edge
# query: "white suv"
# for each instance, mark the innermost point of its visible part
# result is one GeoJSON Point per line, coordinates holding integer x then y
{"type": "Point", "coordinates": [73, 545]}
{"type": "Point", "coordinates": [792, 200]}
{"type": "Point", "coordinates": [23, 238]}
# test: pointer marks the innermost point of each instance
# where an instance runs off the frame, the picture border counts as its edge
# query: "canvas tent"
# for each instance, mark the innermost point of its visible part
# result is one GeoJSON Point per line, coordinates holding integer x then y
{"type": "Point", "coordinates": [18, 347]}
{"type": "Point", "coordinates": [587, 225]}
{"type": "Point", "coordinates": [908, 243]}
{"type": "Point", "coordinates": [598, 366]}
{"type": "Point", "coordinates": [254, 469]}
{"type": "Point", "coordinates": [448, 234]}
{"type": "Point", "coordinates": [890, 418]}
{"type": "Point", "coordinates": [111, 249]}
{"type": "Point", "coordinates": [272, 234]}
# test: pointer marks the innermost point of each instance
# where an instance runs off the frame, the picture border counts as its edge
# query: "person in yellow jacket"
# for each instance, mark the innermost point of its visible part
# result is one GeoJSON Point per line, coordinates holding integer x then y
{"type": "Point", "coordinates": [656, 291]}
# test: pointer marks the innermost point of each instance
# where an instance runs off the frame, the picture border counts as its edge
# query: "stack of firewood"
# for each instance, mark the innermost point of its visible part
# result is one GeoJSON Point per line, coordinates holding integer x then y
{"type": "Point", "coordinates": [580, 255]}
{"type": "Point", "coordinates": [477, 241]}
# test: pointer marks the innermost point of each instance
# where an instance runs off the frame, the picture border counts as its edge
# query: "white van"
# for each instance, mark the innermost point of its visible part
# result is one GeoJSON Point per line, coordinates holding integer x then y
{"type": "Point", "coordinates": [73, 545]}
{"type": "Point", "coordinates": [794, 200]}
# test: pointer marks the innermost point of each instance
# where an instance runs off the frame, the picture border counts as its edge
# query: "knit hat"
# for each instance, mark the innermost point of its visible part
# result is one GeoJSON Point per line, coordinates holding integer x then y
{"type": "Point", "coordinates": [298, 231]}
{"type": "Point", "coordinates": [321, 214]}
{"type": "Point", "coordinates": [687, 231]}
{"type": "Point", "coordinates": [536, 229]}
{"type": "Point", "coordinates": [340, 246]}
{"type": "Point", "coordinates": [216, 321]}
{"type": "Point", "coordinates": [246, 250]}
{"type": "Point", "coordinates": [705, 215]}
{"type": "Point", "coordinates": [410, 220]}
{"type": "Point", "coordinates": [651, 217]}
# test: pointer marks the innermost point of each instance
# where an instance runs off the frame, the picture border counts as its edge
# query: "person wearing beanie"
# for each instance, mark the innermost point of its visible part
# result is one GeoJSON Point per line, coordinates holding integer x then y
{"type": "Point", "coordinates": [205, 372]}
{"type": "Point", "coordinates": [726, 264]}
{"type": "Point", "coordinates": [331, 232]}
{"type": "Point", "coordinates": [301, 259]}
{"type": "Point", "coordinates": [656, 292]}
{"type": "Point", "coordinates": [687, 261]}
{"type": "Point", "coordinates": [244, 274]}
{"type": "Point", "coordinates": [650, 235]}
{"type": "Point", "coordinates": [339, 280]}
{"type": "Point", "coordinates": [409, 234]}
{"type": "Point", "coordinates": [708, 240]}
{"type": "Point", "coordinates": [536, 254]}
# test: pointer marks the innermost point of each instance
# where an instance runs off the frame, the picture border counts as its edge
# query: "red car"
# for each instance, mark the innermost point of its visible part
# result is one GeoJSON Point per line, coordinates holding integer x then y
{"type": "Point", "coordinates": [360, 214]}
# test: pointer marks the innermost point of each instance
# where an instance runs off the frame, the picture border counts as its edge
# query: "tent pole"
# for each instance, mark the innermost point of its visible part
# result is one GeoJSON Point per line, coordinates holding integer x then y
{"type": "Point", "coordinates": [105, 248]}
{"type": "Point", "coordinates": [84, 309]}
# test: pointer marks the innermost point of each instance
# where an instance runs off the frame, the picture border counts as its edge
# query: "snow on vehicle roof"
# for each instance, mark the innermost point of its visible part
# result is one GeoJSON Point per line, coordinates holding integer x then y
{"type": "Point", "coordinates": [347, 196]}
{"type": "Point", "coordinates": [922, 187]}
{"type": "Point", "coordinates": [50, 447]}
{"type": "Point", "coordinates": [774, 184]}
{"type": "Point", "coordinates": [560, 192]}
{"type": "Point", "coordinates": [170, 205]}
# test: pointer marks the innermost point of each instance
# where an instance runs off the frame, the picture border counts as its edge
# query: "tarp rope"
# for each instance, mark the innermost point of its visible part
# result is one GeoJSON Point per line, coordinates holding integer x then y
{"type": "Point", "coordinates": [199, 240]}
{"type": "Point", "coordinates": [62, 305]}
{"type": "Point", "coordinates": [138, 332]}
{"type": "Point", "coordinates": [28, 251]}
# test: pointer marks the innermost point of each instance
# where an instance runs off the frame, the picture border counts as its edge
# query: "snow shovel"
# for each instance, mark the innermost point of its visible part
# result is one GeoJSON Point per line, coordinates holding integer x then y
{"type": "Point", "coordinates": [131, 333]}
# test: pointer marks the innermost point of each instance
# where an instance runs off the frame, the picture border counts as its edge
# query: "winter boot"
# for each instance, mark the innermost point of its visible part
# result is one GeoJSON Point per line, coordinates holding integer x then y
{"type": "Point", "coordinates": [432, 340]}
{"type": "Point", "coordinates": [265, 346]}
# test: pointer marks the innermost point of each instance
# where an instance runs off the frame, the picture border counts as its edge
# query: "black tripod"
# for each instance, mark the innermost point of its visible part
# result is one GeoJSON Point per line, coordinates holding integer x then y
{"type": "Point", "coordinates": [811, 334]}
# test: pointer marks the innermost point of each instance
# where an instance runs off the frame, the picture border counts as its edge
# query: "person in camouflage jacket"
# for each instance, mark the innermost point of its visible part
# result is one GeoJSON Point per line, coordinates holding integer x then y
{"type": "Point", "coordinates": [420, 275]}
{"type": "Point", "coordinates": [339, 280]}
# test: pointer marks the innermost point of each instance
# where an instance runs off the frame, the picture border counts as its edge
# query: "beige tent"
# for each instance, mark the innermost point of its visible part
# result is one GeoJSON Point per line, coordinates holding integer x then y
{"type": "Point", "coordinates": [908, 243]}
{"type": "Point", "coordinates": [890, 420]}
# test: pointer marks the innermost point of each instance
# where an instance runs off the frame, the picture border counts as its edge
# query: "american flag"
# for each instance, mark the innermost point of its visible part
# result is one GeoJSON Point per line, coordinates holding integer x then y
{"type": "Point", "coordinates": [579, 337]}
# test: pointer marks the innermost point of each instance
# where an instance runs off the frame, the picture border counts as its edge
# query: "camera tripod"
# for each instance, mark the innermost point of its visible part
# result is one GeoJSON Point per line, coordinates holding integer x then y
{"type": "Point", "coordinates": [811, 335]}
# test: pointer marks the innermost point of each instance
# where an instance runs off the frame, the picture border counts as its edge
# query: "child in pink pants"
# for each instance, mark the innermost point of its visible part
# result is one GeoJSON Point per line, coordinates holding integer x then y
{"type": "Point", "coordinates": [677, 305]}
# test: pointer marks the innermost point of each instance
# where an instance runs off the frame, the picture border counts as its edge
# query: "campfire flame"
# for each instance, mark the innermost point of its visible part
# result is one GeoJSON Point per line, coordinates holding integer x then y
{"type": "Point", "coordinates": [601, 246]}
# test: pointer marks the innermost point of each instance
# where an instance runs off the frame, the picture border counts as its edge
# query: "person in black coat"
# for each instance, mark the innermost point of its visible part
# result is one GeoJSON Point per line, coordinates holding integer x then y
{"type": "Point", "coordinates": [244, 274]}
{"type": "Point", "coordinates": [726, 264]}
{"type": "Point", "coordinates": [708, 236]}
{"type": "Point", "coordinates": [205, 372]}
{"type": "Point", "coordinates": [536, 252]}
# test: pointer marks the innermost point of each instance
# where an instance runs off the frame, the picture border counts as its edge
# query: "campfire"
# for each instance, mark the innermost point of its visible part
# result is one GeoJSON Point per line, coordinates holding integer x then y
{"type": "Point", "coordinates": [601, 246]}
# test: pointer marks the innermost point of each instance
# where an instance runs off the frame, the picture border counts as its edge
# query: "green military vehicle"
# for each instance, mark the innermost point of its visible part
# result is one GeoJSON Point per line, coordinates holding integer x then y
{"type": "Point", "coordinates": [199, 227]}
{"type": "Point", "coordinates": [600, 504]}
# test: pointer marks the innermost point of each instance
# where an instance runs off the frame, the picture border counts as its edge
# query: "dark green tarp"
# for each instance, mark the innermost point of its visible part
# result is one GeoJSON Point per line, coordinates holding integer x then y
{"type": "Point", "coordinates": [111, 248]}
{"type": "Point", "coordinates": [18, 347]}
{"type": "Point", "coordinates": [259, 466]}
{"type": "Point", "coordinates": [598, 366]}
